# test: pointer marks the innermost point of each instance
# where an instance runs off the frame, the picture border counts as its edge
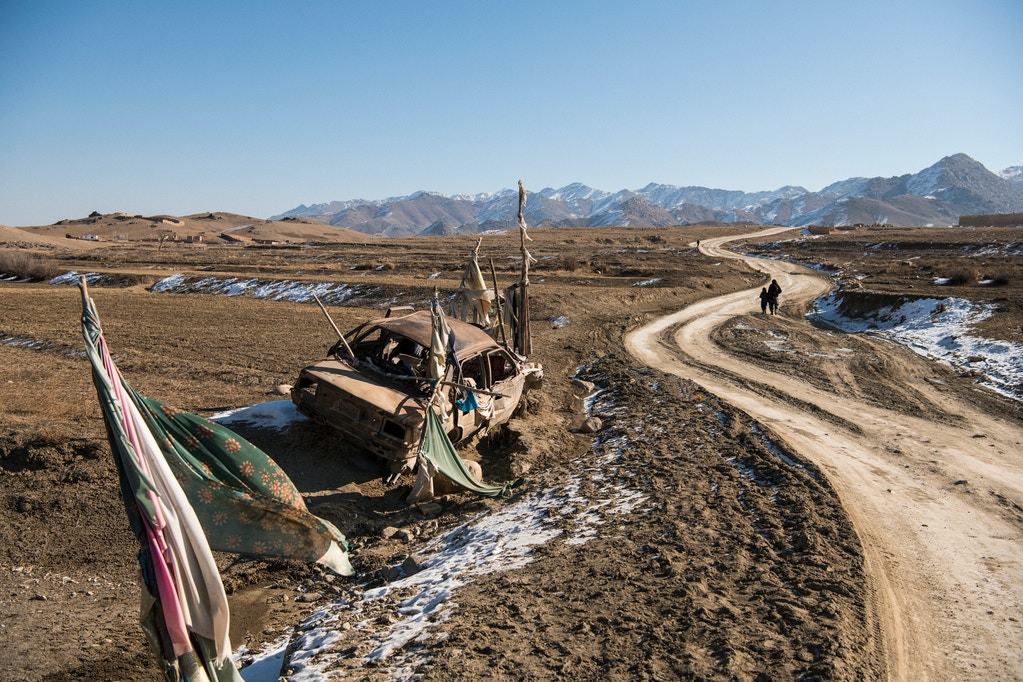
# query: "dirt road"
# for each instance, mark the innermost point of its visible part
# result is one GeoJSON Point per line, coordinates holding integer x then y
{"type": "Point", "coordinates": [937, 503]}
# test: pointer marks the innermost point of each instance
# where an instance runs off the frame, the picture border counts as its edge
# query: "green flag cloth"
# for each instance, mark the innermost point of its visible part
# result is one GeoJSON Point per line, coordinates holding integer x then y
{"type": "Point", "coordinates": [184, 609]}
{"type": "Point", "coordinates": [245, 502]}
{"type": "Point", "coordinates": [437, 447]}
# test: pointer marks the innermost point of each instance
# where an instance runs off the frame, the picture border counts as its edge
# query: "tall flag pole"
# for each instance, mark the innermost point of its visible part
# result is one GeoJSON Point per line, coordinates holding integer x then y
{"type": "Point", "coordinates": [435, 453]}
{"type": "Point", "coordinates": [190, 622]}
{"type": "Point", "coordinates": [523, 342]}
{"type": "Point", "coordinates": [191, 486]}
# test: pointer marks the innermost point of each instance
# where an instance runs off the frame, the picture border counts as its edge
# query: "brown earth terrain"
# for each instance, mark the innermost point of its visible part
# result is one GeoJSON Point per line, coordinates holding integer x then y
{"type": "Point", "coordinates": [751, 557]}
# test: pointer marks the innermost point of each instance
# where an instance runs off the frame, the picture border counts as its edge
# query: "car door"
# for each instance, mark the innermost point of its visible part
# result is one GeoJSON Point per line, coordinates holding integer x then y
{"type": "Point", "coordinates": [505, 378]}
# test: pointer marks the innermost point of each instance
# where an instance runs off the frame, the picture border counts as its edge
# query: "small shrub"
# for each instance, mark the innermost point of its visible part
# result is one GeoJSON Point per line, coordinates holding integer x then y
{"type": "Point", "coordinates": [999, 278]}
{"type": "Point", "coordinates": [25, 265]}
{"type": "Point", "coordinates": [569, 263]}
{"type": "Point", "coordinates": [962, 276]}
{"type": "Point", "coordinates": [133, 279]}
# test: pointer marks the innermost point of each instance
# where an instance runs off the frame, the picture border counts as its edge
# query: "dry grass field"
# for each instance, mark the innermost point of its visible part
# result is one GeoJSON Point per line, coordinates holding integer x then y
{"type": "Point", "coordinates": [714, 579]}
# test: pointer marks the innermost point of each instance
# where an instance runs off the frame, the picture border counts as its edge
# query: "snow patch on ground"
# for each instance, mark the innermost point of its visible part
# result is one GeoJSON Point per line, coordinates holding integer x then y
{"type": "Point", "coordinates": [73, 276]}
{"type": "Point", "coordinates": [29, 344]}
{"type": "Point", "coordinates": [276, 414]}
{"type": "Point", "coordinates": [37, 345]}
{"type": "Point", "coordinates": [388, 625]}
{"type": "Point", "coordinates": [334, 293]}
{"type": "Point", "coordinates": [275, 290]}
{"type": "Point", "coordinates": [501, 540]}
{"type": "Point", "coordinates": [939, 329]}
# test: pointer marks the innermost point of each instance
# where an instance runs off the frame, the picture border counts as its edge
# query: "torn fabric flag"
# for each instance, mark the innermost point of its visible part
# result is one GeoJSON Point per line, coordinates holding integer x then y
{"type": "Point", "coordinates": [190, 485]}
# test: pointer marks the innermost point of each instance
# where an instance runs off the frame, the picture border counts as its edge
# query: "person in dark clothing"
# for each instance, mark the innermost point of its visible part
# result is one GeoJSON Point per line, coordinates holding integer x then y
{"type": "Point", "coordinates": [763, 299]}
{"type": "Point", "coordinates": [772, 296]}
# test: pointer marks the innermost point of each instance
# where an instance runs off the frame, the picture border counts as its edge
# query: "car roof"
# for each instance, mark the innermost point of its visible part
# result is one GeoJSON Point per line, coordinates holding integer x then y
{"type": "Point", "coordinates": [418, 326]}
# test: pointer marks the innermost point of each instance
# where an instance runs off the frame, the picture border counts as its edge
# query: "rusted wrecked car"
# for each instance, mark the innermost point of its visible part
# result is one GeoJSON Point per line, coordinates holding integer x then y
{"type": "Point", "coordinates": [378, 399]}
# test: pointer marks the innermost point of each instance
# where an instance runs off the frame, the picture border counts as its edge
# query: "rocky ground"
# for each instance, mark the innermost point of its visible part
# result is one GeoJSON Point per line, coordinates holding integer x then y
{"type": "Point", "coordinates": [738, 564]}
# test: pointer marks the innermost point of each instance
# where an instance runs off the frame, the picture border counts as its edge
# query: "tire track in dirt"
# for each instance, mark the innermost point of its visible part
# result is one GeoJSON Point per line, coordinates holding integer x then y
{"type": "Point", "coordinates": [938, 507]}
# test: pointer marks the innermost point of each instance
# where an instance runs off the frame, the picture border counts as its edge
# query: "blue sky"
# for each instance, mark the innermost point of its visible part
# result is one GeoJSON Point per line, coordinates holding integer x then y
{"type": "Point", "coordinates": [256, 107]}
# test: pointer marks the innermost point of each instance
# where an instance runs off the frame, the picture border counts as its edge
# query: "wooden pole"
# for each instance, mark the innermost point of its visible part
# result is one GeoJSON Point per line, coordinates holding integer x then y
{"type": "Point", "coordinates": [523, 344]}
{"type": "Point", "coordinates": [336, 330]}
{"type": "Point", "coordinates": [497, 303]}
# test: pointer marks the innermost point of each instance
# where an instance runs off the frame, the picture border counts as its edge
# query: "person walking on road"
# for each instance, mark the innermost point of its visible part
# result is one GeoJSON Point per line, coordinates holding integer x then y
{"type": "Point", "coordinates": [764, 298]}
{"type": "Point", "coordinates": [772, 296]}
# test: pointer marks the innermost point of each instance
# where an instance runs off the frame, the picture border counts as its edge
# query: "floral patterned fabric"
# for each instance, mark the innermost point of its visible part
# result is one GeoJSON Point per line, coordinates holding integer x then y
{"type": "Point", "coordinates": [183, 609]}
{"type": "Point", "coordinates": [244, 500]}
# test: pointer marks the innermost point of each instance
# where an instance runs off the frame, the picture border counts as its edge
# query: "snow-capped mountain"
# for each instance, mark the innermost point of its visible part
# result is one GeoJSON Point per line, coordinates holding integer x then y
{"type": "Point", "coordinates": [1014, 174]}
{"type": "Point", "coordinates": [956, 185]}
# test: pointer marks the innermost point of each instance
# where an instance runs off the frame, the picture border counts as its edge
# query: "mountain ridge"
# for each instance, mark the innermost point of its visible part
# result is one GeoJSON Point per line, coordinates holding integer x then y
{"type": "Point", "coordinates": [937, 195]}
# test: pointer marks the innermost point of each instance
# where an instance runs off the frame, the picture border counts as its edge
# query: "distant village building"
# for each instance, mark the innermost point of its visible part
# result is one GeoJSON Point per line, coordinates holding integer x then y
{"type": "Point", "coordinates": [991, 220]}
